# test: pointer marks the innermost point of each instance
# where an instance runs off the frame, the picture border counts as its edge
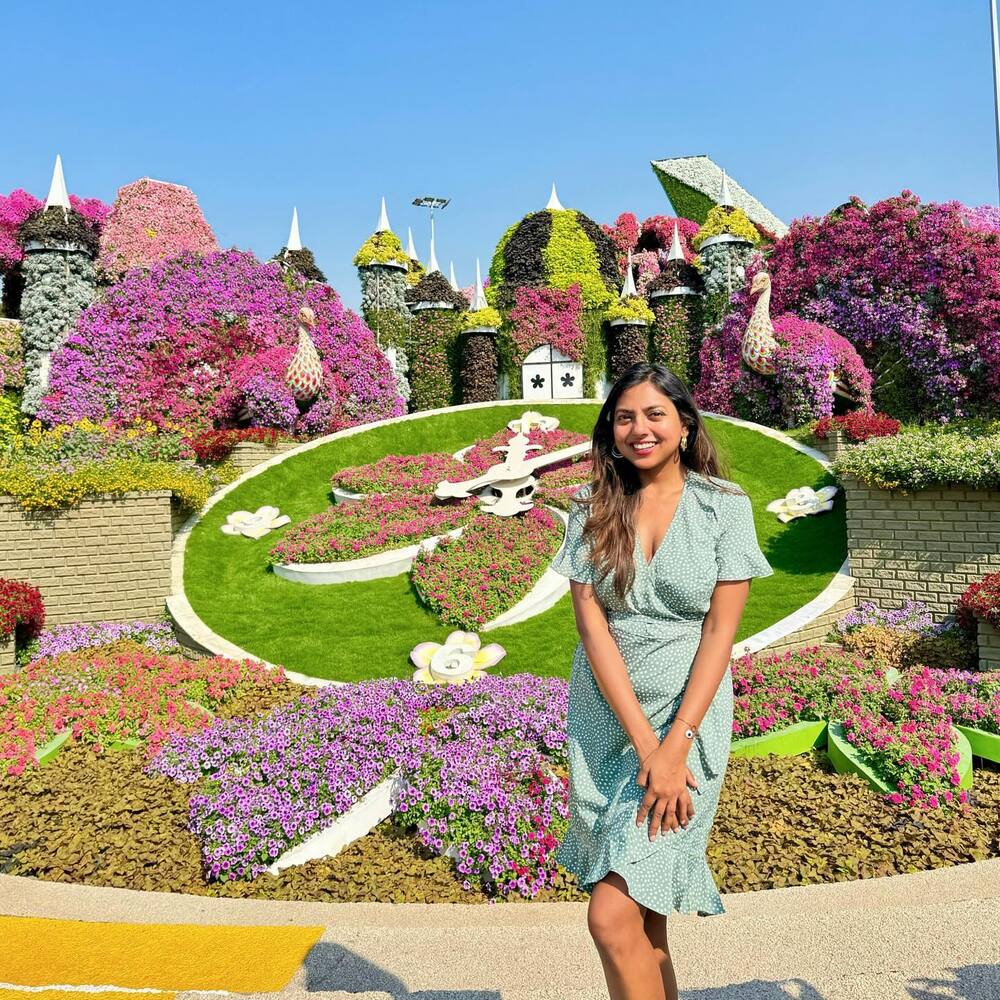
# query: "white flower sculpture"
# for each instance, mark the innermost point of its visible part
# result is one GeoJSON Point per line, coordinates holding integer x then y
{"type": "Point", "coordinates": [531, 420]}
{"type": "Point", "coordinates": [802, 501]}
{"type": "Point", "coordinates": [255, 525]}
{"type": "Point", "coordinates": [459, 659]}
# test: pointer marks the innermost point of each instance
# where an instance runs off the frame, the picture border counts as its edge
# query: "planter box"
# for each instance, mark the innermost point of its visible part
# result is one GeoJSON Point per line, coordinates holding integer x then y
{"type": "Point", "coordinates": [846, 759]}
{"type": "Point", "coordinates": [790, 740]}
{"type": "Point", "coordinates": [928, 545]}
{"type": "Point", "coordinates": [106, 559]}
{"type": "Point", "coordinates": [983, 744]}
{"type": "Point", "coordinates": [988, 638]}
{"type": "Point", "coordinates": [833, 444]}
{"type": "Point", "coordinates": [7, 664]}
{"type": "Point", "coordinates": [248, 454]}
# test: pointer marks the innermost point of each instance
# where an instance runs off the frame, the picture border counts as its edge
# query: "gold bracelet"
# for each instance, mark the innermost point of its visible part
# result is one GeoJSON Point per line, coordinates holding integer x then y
{"type": "Point", "coordinates": [693, 729]}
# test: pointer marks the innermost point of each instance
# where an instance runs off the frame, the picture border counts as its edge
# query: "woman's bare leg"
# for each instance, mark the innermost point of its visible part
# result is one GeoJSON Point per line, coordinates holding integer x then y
{"type": "Point", "coordinates": [655, 925]}
{"type": "Point", "coordinates": [616, 923]}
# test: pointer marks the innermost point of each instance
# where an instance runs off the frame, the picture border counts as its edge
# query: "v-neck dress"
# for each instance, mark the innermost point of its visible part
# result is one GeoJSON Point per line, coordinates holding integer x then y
{"type": "Point", "coordinates": [657, 629]}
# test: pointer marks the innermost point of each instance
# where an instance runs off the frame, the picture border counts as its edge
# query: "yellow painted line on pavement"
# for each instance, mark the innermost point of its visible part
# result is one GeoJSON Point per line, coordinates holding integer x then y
{"type": "Point", "coordinates": [79, 995]}
{"type": "Point", "coordinates": [39, 951]}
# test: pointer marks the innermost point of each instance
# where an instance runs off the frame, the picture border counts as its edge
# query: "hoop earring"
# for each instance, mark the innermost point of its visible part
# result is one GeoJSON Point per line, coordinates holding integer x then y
{"type": "Point", "coordinates": [615, 453]}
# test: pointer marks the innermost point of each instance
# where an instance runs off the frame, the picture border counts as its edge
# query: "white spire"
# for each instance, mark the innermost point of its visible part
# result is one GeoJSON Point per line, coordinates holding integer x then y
{"type": "Point", "coordinates": [58, 198]}
{"type": "Point", "coordinates": [383, 220]}
{"type": "Point", "coordinates": [725, 197]}
{"type": "Point", "coordinates": [294, 240]}
{"type": "Point", "coordinates": [432, 264]}
{"type": "Point", "coordinates": [628, 287]}
{"type": "Point", "coordinates": [676, 250]}
{"type": "Point", "coordinates": [478, 297]}
{"type": "Point", "coordinates": [411, 250]}
{"type": "Point", "coordinates": [454, 283]}
{"type": "Point", "coordinates": [554, 202]}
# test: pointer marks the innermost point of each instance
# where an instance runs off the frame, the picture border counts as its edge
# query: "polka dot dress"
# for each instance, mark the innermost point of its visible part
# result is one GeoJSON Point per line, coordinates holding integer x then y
{"type": "Point", "coordinates": [657, 628]}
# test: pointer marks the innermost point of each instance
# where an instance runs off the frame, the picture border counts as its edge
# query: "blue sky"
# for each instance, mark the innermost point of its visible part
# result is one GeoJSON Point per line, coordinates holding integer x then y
{"type": "Point", "coordinates": [329, 106]}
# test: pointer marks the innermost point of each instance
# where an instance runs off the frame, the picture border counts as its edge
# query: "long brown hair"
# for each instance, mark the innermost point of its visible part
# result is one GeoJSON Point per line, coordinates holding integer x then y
{"type": "Point", "coordinates": [614, 490]}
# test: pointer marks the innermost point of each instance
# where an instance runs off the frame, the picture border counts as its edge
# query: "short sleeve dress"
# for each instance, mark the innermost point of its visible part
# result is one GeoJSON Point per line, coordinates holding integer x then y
{"type": "Point", "coordinates": [658, 629]}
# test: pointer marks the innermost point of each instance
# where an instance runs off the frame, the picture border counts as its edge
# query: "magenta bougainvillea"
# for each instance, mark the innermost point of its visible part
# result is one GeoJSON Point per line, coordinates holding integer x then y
{"type": "Point", "coordinates": [912, 285]}
{"type": "Point", "coordinates": [547, 316]}
{"type": "Point", "coordinates": [15, 209]}
{"type": "Point", "coordinates": [151, 221]}
{"type": "Point", "coordinates": [178, 344]}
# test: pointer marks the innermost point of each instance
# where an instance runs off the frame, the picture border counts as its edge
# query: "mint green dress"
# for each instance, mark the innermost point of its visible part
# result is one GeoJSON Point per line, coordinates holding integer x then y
{"type": "Point", "coordinates": [658, 629]}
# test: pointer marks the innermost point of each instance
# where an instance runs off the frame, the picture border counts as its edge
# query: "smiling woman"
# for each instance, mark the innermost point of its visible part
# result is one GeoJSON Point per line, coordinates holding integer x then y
{"type": "Point", "coordinates": [232, 592]}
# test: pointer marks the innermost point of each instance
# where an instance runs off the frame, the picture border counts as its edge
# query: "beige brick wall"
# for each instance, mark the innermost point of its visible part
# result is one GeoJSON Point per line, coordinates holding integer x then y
{"type": "Point", "coordinates": [815, 631]}
{"type": "Point", "coordinates": [107, 559]}
{"type": "Point", "coordinates": [247, 454]}
{"type": "Point", "coordinates": [928, 545]}
{"type": "Point", "coordinates": [989, 646]}
{"type": "Point", "coordinates": [7, 656]}
{"type": "Point", "coordinates": [832, 445]}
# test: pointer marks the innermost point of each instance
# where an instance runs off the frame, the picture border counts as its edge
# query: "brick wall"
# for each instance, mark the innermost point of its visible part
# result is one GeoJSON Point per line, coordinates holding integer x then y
{"type": "Point", "coordinates": [989, 645]}
{"type": "Point", "coordinates": [928, 545]}
{"type": "Point", "coordinates": [247, 454]}
{"type": "Point", "coordinates": [7, 655]}
{"type": "Point", "coordinates": [815, 631]}
{"type": "Point", "coordinates": [832, 445]}
{"type": "Point", "coordinates": [107, 559]}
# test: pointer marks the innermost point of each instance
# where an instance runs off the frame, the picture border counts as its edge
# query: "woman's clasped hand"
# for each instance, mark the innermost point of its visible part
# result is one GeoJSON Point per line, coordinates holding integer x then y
{"type": "Point", "coordinates": [667, 802]}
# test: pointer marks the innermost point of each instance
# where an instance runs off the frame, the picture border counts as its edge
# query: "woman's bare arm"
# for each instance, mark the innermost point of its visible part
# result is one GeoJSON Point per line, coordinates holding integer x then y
{"type": "Point", "coordinates": [609, 669]}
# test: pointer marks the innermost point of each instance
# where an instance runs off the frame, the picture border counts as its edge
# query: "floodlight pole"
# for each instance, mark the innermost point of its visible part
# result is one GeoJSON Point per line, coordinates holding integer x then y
{"type": "Point", "coordinates": [996, 82]}
{"type": "Point", "coordinates": [431, 202]}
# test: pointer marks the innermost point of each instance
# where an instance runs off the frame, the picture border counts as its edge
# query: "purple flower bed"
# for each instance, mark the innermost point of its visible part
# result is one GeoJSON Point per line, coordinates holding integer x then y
{"type": "Point", "coordinates": [477, 761]}
{"type": "Point", "coordinates": [157, 636]}
{"type": "Point", "coordinates": [913, 616]}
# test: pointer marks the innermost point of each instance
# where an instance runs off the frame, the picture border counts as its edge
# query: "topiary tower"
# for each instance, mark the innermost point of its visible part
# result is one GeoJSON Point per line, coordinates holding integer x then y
{"type": "Point", "coordinates": [295, 257]}
{"type": "Point", "coordinates": [560, 250]}
{"type": "Point", "coordinates": [59, 282]}
{"type": "Point", "coordinates": [479, 360]}
{"type": "Point", "coordinates": [674, 297]}
{"type": "Point", "coordinates": [628, 323]}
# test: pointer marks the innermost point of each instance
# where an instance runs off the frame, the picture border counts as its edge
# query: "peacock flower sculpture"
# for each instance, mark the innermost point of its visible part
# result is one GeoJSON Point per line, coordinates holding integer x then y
{"type": "Point", "coordinates": [305, 373]}
{"type": "Point", "coordinates": [759, 343]}
{"type": "Point", "coordinates": [461, 658]}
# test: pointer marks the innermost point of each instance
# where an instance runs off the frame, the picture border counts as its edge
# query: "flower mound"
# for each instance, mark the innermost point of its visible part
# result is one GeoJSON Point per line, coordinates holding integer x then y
{"type": "Point", "coordinates": [180, 342]}
{"type": "Point", "coordinates": [102, 699]}
{"type": "Point", "coordinates": [471, 580]}
{"type": "Point", "coordinates": [475, 759]}
{"type": "Point", "coordinates": [401, 474]}
{"type": "Point", "coordinates": [378, 524]}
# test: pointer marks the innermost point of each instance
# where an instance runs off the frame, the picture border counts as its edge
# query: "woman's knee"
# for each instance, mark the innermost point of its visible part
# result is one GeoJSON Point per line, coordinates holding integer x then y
{"type": "Point", "coordinates": [614, 919]}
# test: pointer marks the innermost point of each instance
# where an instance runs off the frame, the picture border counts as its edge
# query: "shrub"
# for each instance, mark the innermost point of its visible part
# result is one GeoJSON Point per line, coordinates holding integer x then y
{"type": "Point", "coordinates": [22, 612]}
{"type": "Point", "coordinates": [380, 248]}
{"type": "Point", "coordinates": [981, 600]}
{"type": "Point", "coordinates": [858, 425]}
{"type": "Point", "coordinates": [11, 355]}
{"type": "Point", "coordinates": [216, 446]}
{"type": "Point", "coordinates": [632, 309]}
{"type": "Point", "coordinates": [726, 220]}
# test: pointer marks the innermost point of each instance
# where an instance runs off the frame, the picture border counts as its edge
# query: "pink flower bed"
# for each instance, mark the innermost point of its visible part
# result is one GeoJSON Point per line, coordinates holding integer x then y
{"type": "Point", "coordinates": [151, 221]}
{"type": "Point", "coordinates": [471, 580]}
{"type": "Point", "coordinates": [401, 474]}
{"type": "Point", "coordinates": [481, 456]}
{"type": "Point", "coordinates": [102, 699]}
{"type": "Point", "coordinates": [547, 316]}
{"type": "Point", "coordinates": [379, 523]}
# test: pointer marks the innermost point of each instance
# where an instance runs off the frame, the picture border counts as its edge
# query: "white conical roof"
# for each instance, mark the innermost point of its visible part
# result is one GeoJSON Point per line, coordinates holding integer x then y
{"type": "Point", "coordinates": [628, 286]}
{"type": "Point", "coordinates": [432, 264]}
{"type": "Point", "coordinates": [454, 283]}
{"type": "Point", "coordinates": [478, 296]}
{"type": "Point", "coordinates": [58, 196]}
{"type": "Point", "coordinates": [294, 240]}
{"type": "Point", "coordinates": [383, 220]}
{"type": "Point", "coordinates": [411, 250]}
{"type": "Point", "coordinates": [554, 202]}
{"type": "Point", "coordinates": [676, 250]}
{"type": "Point", "coordinates": [725, 197]}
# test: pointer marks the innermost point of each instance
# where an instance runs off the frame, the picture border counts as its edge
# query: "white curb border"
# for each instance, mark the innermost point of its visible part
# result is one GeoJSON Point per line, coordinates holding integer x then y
{"type": "Point", "coordinates": [188, 621]}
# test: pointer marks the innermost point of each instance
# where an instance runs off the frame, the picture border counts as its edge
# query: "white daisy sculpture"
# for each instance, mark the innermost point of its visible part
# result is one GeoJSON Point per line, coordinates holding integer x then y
{"type": "Point", "coordinates": [255, 525]}
{"type": "Point", "coordinates": [802, 501]}
{"type": "Point", "coordinates": [460, 659]}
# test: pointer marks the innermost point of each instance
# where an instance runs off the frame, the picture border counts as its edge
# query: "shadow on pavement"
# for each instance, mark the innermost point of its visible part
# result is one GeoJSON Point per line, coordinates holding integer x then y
{"type": "Point", "coordinates": [971, 982]}
{"type": "Point", "coordinates": [330, 967]}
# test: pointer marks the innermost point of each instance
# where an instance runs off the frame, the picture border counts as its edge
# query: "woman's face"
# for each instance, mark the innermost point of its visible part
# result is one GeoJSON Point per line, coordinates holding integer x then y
{"type": "Point", "coordinates": [647, 426]}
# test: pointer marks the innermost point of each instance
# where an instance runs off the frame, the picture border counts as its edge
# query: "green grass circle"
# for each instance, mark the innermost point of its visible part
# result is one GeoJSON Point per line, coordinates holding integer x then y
{"type": "Point", "coordinates": [358, 631]}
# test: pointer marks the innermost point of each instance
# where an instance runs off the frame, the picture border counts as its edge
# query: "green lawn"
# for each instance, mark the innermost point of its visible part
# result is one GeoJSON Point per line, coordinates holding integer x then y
{"type": "Point", "coordinates": [365, 630]}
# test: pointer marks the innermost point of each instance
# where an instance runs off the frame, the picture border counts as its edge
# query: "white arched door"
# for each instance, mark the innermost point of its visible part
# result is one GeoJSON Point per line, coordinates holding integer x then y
{"type": "Point", "coordinates": [547, 373]}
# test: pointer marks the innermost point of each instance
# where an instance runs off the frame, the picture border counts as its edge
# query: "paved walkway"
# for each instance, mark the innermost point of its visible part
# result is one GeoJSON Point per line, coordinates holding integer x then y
{"type": "Point", "coordinates": [922, 936]}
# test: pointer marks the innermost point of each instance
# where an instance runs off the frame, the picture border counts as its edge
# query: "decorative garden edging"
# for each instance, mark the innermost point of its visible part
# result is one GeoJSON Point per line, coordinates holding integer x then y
{"type": "Point", "coordinates": [928, 545]}
{"type": "Point", "coordinates": [375, 567]}
{"type": "Point", "coordinates": [845, 758]}
{"type": "Point", "coordinates": [106, 559]}
{"type": "Point", "coordinates": [836, 598]}
{"type": "Point", "coordinates": [7, 663]}
{"type": "Point", "coordinates": [988, 640]}
{"type": "Point", "coordinates": [786, 742]}
{"type": "Point", "coordinates": [983, 744]}
{"type": "Point", "coordinates": [345, 496]}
